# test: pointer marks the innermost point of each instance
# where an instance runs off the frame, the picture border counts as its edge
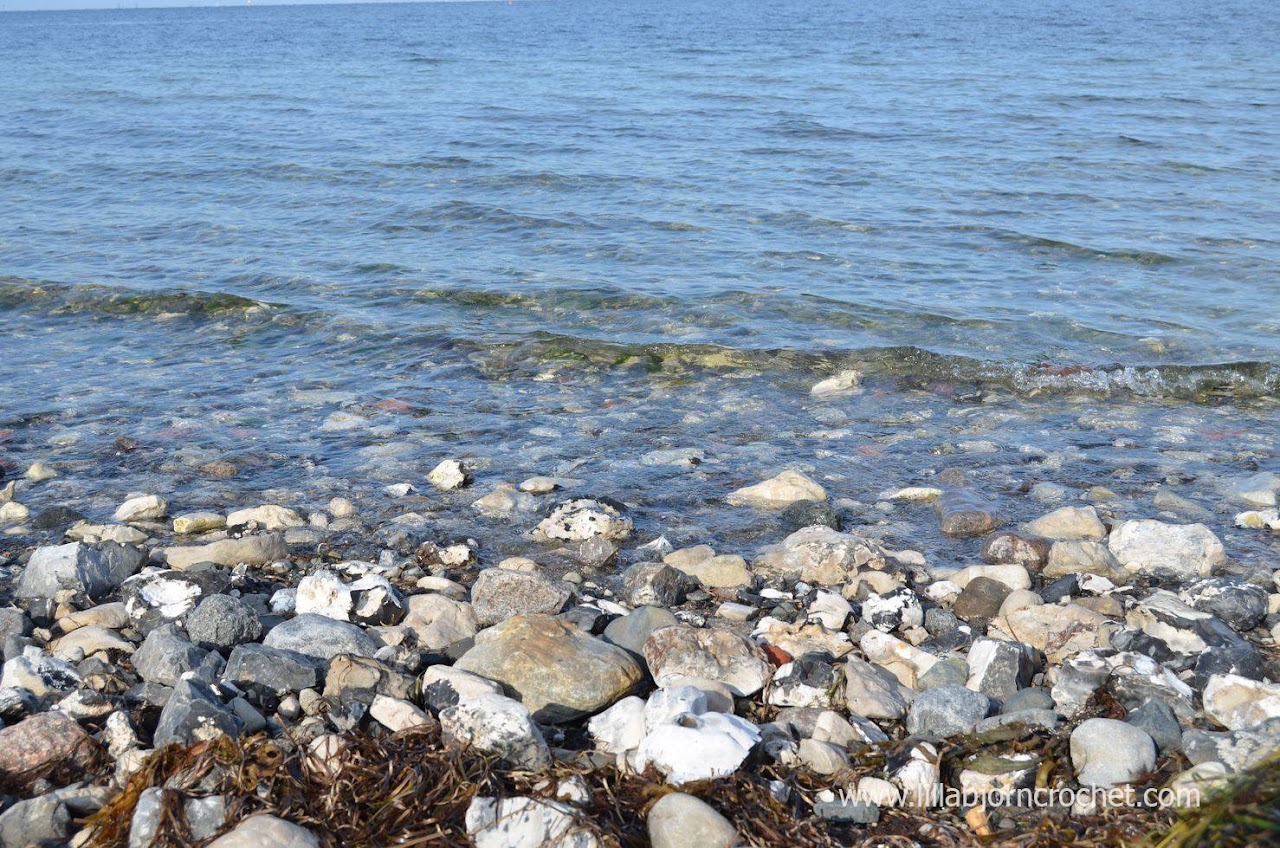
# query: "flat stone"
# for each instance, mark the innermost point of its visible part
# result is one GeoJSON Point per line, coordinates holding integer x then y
{"type": "Point", "coordinates": [141, 508]}
{"type": "Point", "coordinates": [272, 673]}
{"type": "Point", "coordinates": [258, 549]}
{"type": "Point", "coordinates": [582, 519]}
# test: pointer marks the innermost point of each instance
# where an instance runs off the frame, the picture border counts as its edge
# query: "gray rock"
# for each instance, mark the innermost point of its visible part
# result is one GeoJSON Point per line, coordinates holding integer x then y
{"type": "Point", "coordinates": [847, 811]}
{"type": "Point", "coordinates": [655, 584]}
{"type": "Point", "coordinates": [1106, 752]}
{"type": "Point", "coordinates": [682, 821]}
{"type": "Point", "coordinates": [221, 622]}
{"type": "Point", "coordinates": [94, 570]}
{"type": "Point", "coordinates": [42, 821]}
{"type": "Point", "coordinates": [194, 713]}
{"type": "Point", "coordinates": [1033, 698]}
{"type": "Point", "coordinates": [1238, 750]}
{"type": "Point", "coordinates": [947, 671]}
{"type": "Point", "coordinates": [803, 514]}
{"type": "Point", "coordinates": [947, 711]}
{"type": "Point", "coordinates": [13, 622]}
{"type": "Point", "coordinates": [1241, 605]}
{"type": "Point", "coordinates": [267, 673]}
{"type": "Point", "coordinates": [165, 655]}
{"type": "Point", "coordinates": [499, 594]}
{"type": "Point", "coordinates": [1157, 719]}
{"type": "Point", "coordinates": [321, 636]}
{"type": "Point", "coordinates": [632, 630]}
{"type": "Point", "coordinates": [999, 669]}
{"type": "Point", "coordinates": [157, 596]}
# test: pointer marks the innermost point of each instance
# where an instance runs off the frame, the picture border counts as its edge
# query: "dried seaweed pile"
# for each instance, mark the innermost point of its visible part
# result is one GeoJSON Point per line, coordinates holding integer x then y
{"type": "Point", "coordinates": [409, 789]}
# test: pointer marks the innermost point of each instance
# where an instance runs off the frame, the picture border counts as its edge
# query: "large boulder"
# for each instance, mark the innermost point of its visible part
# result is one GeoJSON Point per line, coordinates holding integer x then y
{"type": "Point", "coordinates": [556, 670]}
{"type": "Point", "coordinates": [1174, 552]}
{"type": "Point", "coordinates": [93, 570]}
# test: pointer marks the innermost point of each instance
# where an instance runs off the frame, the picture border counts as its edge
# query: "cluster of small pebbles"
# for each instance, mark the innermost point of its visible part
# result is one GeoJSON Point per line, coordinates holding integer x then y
{"type": "Point", "coordinates": [827, 650]}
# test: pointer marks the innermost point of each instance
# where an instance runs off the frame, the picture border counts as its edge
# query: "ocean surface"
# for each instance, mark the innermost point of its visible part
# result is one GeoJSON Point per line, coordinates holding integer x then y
{"type": "Point", "coordinates": [329, 245]}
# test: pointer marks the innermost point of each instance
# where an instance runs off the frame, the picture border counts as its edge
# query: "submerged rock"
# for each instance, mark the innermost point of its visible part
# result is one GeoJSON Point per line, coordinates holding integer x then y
{"type": "Point", "coordinates": [778, 492]}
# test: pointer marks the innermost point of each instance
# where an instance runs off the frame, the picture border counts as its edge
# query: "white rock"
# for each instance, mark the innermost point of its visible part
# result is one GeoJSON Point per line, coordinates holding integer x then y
{"type": "Point", "coordinates": [142, 508]}
{"type": "Point", "coordinates": [582, 519]}
{"type": "Point", "coordinates": [495, 724]}
{"type": "Point", "coordinates": [449, 474]}
{"type": "Point", "coordinates": [698, 747]}
{"type": "Point", "coordinates": [324, 593]}
{"type": "Point", "coordinates": [919, 777]}
{"type": "Point", "coordinates": [678, 820]}
{"type": "Point", "coordinates": [905, 662]}
{"type": "Point", "coordinates": [198, 522]}
{"type": "Point", "coordinates": [843, 383]}
{"type": "Point", "coordinates": [397, 714]}
{"type": "Point", "coordinates": [830, 610]}
{"type": "Point", "coordinates": [13, 513]}
{"type": "Point", "coordinates": [882, 793]}
{"type": "Point", "coordinates": [263, 831]}
{"type": "Point", "coordinates": [1167, 551]}
{"type": "Point", "coordinates": [39, 471]}
{"type": "Point", "coordinates": [1069, 522]}
{"type": "Point", "coordinates": [1106, 752]}
{"type": "Point", "coordinates": [266, 516]}
{"type": "Point", "coordinates": [621, 728]}
{"type": "Point", "coordinates": [525, 823]}
{"type": "Point", "coordinates": [342, 508]}
{"type": "Point", "coordinates": [1238, 703]}
{"type": "Point", "coordinates": [1259, 519]}
{"type": "Point", "coordinates": [787, 488]}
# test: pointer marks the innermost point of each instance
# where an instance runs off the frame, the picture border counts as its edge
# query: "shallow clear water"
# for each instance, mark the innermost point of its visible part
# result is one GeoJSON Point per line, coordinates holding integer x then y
{"type": "Point", "coordinates": [571, 231]}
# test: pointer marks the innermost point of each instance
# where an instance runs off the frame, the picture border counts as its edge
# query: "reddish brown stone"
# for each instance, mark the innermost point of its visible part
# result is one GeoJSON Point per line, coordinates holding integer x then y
{"type": "Point", "coordinates": [48, 745]}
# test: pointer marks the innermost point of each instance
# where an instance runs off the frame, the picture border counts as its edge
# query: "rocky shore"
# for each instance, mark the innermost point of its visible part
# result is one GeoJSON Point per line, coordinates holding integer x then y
{"type": "Point", "coordinates": [843, 686]}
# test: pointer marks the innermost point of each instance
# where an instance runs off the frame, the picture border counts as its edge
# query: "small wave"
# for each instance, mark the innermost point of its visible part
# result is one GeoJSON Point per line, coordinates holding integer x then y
{"type": "Point", "coordinates": [1038, 245]}
{"type": "Point", "coordinates": [457, 214]}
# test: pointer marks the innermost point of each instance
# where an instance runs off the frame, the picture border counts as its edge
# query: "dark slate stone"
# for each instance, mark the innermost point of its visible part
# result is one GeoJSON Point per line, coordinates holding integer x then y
{"type": "Point", "coordinates": [1157, 719]}
{"type": "Point", "coordinates": [803, 514]}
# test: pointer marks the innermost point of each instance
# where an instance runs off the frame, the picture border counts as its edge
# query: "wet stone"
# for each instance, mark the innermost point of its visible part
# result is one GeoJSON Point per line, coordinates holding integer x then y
{"type": "Point", "coordinates": [965, 513]}
{"type": "Point", "coordinates": [801, 514]}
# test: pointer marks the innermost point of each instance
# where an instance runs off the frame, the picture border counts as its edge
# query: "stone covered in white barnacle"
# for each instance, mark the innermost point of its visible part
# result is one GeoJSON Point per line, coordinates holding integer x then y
{"type": "Point", "coordinates": [582, 519]}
